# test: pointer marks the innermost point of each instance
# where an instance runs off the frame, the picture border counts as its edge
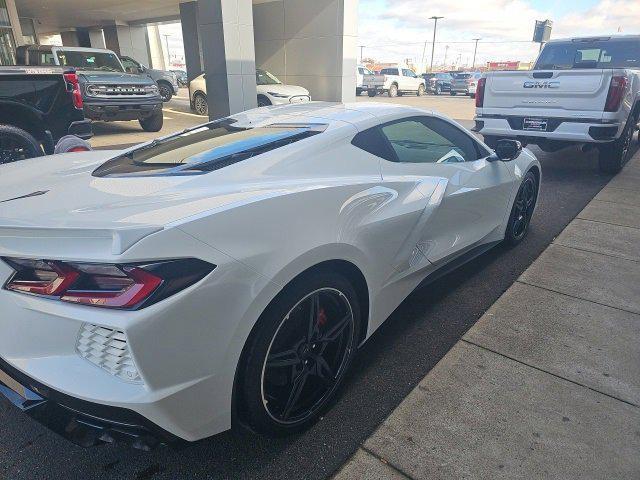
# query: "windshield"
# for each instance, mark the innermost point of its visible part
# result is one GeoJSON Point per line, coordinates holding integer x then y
{"type": "Point", "coordinates": [93, 61]}
{"type": "Point", "coordinates": [590, 54]}
{"type": "Point", "coordinates": [204, 149]}
{"type": "Point", "coordinates": [265, 78]}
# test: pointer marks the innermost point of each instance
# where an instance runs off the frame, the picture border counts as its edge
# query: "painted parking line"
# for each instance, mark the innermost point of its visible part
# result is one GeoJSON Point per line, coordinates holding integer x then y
{"type": "Point", "coordinates": [183, 113]}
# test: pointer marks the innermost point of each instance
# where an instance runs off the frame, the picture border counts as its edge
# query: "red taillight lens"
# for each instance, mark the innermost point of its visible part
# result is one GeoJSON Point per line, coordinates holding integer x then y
{"type": "Point", "coordinates": [79, 149]}
{"type": "Point", "coordinates": [104, 285]}
{"type": "Point", "coordinates": [72, 79]}
{"type": "Point", "coordinates": [480, 91]}
{"type": "Point", "coordinates": [617, 88]}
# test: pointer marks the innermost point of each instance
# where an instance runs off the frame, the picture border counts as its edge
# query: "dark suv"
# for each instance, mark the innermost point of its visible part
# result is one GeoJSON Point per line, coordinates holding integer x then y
{"type": "Point", "coordinates": [438, 82]}
{"type": "Point", "coordinates": [109, 93]}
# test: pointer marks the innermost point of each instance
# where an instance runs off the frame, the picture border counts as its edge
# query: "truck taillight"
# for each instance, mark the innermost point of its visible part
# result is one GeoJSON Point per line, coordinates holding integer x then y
{"type": "Point", "coordinates": [617, 89]}
{"type": "Point", "coordinates": [72, 79]}
{"type": "Point", "coordinates": [480, 91]}
{"type": "Point", "coordinates": [128, 286]}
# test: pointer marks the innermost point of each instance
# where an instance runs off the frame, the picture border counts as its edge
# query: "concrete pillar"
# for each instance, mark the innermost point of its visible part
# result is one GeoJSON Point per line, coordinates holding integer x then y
{"type": "Point", "coordinates": [12, 12]}
{"type": "Point", "coordinates": [110, 33]}
{"type": "Point", "coordinates": [309, 43]}
{"type": "Point", "coordinates": [156, 48]}
{"type": "Point", "coordinates": [96, 37]}
{"type": "Point", "coordinates": [191, 39]}
{"type": "Point", "coordinates": [228, 53]}
{"type": "Point", "coordinates": [75, 38]}
{"type": "Point", "coordinates": [133, 42]}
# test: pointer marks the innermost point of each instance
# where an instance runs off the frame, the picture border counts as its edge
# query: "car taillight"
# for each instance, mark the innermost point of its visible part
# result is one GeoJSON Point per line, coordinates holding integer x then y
{"type": "Point", "coordinates": [127, 287]}
{"type": "Point", "coordinates": [72, 79]}
{"type": "Point", "coordinates": [482, 82]}
{"type": "Point", "coordinates": [617, 88]}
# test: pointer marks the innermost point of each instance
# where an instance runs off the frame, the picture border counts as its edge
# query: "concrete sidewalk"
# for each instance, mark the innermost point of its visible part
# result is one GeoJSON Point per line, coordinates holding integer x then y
{"type": "Point", "coordinates": [547, 383]}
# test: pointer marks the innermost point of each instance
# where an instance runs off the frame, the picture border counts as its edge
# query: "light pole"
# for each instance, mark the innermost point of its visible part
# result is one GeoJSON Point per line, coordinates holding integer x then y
{"type": "Point", "coordinates": [474, 51]}
{"type": "Point", "coordinates": [433, 45]}
{"type": "Point", "coordinates": [446, 50]}
{"type": "Point", "coordinates": [361, 47]}
{"type": "Point", "coordinates": [166, 41]}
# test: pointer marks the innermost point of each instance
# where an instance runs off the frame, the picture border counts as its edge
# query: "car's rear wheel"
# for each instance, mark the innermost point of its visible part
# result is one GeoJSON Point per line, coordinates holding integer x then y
{"type": "Point", "coordinates": [372, 93]}
{"type": "Point", "coordinates": [152, 123]}
{"type": "Point", "coordinates": [522, 210]}
{"type": "Point", "coordinates": [452, 93]}
{"type": "Point", "coordinates": [297, 356]}
{"type": "Point", "coordinates": [613, 156]}
{"type": "Point", "coordinates": [17, 144]}
{"type": "Point", "coordinates": [393, 91]}
{"type": "Point", "coordinates": [421, 91]}
{"type": "Point", "coordinates": [200, 104]}
{"type": "Point", "coordinates": [263, 101]}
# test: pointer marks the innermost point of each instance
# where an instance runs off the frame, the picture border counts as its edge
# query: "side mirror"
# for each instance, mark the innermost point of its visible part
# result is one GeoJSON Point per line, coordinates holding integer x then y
{"type": "Point", "coordinates": [507, 150]}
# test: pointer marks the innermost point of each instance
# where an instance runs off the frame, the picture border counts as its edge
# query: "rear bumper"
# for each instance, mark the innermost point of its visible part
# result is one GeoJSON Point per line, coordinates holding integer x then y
{"type": "Point", "coordinates": [81, 422]}
{"type": "Point", "coordinates": [564, 129]}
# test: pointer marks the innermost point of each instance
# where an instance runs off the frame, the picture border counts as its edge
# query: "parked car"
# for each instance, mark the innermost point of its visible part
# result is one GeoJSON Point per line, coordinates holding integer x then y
{"type": "Point", "coordinates": [108, 92]}
{"type": "Point", "coordinates": [361, 71]}
{"type": "Point", "coordinates": [229, 273]}
{"type": "Point", "coordinates": [271, 91]}
{"type": "Point", "coordinates": [167, 81]}
{"type": "Point", "coordinates": [394, 81]}
{"type": "Point", "coordinates": [465, 83]}
{"type": "Point", "coordinates": [181, 75]}
{"type": "Point", "coordinates": [438, 82]}
{"type": "Point", "coordinates": [580, 91]}
{"type": "Point", "coordinates": [38, 107]}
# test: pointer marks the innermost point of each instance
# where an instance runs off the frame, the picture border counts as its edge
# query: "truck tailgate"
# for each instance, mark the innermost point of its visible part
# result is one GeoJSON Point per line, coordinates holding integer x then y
{"type": "Point", "coordinates": [377, 80]}
{"type": "Point", "coordinates": [557, 93]}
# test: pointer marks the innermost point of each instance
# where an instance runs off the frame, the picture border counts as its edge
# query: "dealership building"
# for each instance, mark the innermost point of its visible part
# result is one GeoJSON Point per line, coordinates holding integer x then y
{"type": "Point", "coordinates": [311, 43]}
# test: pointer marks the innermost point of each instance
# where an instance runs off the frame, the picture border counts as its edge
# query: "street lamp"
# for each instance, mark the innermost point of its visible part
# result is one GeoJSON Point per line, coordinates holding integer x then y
{"type": "Point", "coordinates": [433, 45]}
{"type": "Point", "coordinates": [166, 41]}
{"type": "Point", "coordinates": [474, 51]}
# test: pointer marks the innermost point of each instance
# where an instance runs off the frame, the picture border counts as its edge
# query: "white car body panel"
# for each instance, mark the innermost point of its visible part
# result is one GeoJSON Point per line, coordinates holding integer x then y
{"type": "Point", "coordinates": [262, 222]}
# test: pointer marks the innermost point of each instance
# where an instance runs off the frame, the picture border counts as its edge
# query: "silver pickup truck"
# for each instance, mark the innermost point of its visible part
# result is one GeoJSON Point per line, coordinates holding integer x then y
{"type": "Point", "coordinates": [580, 91]}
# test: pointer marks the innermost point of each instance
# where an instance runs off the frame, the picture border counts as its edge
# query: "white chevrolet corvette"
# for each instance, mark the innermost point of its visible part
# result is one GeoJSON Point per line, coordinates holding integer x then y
{"type": "Point", "coordinates": [232, 270]}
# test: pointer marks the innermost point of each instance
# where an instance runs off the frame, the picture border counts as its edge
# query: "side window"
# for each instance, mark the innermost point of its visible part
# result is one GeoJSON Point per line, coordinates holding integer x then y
{"type": "Point", "coordinates": [373, 142]}
{"type": "Point", "coordinates": [361, 71]}
{"type": "Point", "coordinates": [408, 73]}
{"type": "Point", "coordinates": [389, 71]}
{"type": "Point", "coordinates": [430, 140]}
{"type": "Point", "coordinates": [128, 63]}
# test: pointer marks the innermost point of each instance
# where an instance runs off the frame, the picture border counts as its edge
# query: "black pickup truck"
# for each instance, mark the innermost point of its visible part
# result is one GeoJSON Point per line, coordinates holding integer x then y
{"type": "Point", "coordinates": [108, 91]}
{"type": "Point", "coordinates": [38, 106]}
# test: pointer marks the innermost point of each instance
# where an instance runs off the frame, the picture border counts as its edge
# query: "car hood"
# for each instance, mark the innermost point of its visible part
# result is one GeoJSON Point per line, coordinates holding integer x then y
{"type": "Point", "coordinates": [115, 78]}
{"type": "Point", "coordinates": [290, 90]}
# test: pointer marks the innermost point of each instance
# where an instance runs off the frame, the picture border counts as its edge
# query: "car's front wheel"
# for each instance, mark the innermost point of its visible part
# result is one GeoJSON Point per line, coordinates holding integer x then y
{"type": "Point", "coordinates": [166, 91]}
{"type": "Point", "coordinates": [522, 210]}
{"type": "Point", "coordinates": [152, 123]}
{"type": "Point", "coordinates": [421, 91]}
{"type": "Point", "coordinates": [200, 104]}
{"type": "Point", "coordinates": [299, 352]}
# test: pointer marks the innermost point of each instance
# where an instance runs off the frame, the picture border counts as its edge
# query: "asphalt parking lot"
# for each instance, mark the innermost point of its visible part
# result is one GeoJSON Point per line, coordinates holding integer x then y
{"type": "Point", "coordinates": [418, 334]}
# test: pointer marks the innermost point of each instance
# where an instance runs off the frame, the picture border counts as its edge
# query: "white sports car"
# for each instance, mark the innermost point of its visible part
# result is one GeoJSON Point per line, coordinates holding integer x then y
{"type": "Point", "coordinates": [232, 270]}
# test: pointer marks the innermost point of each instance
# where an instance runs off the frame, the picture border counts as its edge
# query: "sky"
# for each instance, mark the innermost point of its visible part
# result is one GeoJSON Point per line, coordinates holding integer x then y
{"type": "Point", "coordinates": [396, 30]}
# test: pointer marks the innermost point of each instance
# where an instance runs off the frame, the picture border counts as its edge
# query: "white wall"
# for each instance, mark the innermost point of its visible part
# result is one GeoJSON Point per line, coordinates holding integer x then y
{"type": "Point", "coordinates": [133, 43]}
{"type": "Point", "coordinates": [311, 43]}
{"type": "Point", "coordinates": [156, 48]}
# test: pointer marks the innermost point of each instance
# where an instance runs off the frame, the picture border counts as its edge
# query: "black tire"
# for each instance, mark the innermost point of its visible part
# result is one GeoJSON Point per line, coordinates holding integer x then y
{"type": "Point", "coordinates": [452, 93]}
{"type": "Point", "coordinates": [152, 123]}
{"type": "Point", "coordinates": [200, 105]}
{"type": "Point", "coordinates": [393, 91]}
{"type": "Point", "coordinates": [358, 92]}
{"type": "Point", "coordinates": [277, 329]}
{"type": "Point", "coordinates": [491, 141]}
{"type": "Point", "coordinates": [166, 91]}
{"type": "Point", "coordinates": [17, 144]}
{"type": "Point", "coordinates": [421, 91]}
{"type": "Point", "coordinates": [263, 101]}
{"type": "Point", "coordinates": [522, 210]}
{"type": "Point", "coordinates": [472, 95]}
{"type": "Point", "coordinates": [372, 93]}
{"type": "Point", "coordinates": [438, 90]}
{"type": "Point", "coordinates": [613, 156]}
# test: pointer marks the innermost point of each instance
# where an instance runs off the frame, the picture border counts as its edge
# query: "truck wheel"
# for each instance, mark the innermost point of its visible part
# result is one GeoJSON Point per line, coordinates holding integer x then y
{"type": "Point", "coordinates": [393, 91]}
{"type": "Point", "coordinates": [614, 155]}
{"type": "Point", "coordinates": [358, 92]}
{"type": "Point", "coordinates": [153, 123]}
{"type": "Point", "coordinates": [166, 91]}
{"type": "Point", "coordinates": [17, 144]}
{"type": "Point", "coordinates": [372, 93]}
{"type": "Point", "coordinates": [421, 91]}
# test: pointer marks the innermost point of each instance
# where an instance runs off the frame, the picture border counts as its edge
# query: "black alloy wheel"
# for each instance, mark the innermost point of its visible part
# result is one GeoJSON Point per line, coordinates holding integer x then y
{"type": "Point", "coordinates": [17, 144]}
{"type": "Point", "coordinates": [522, 210]}
{"type": "Point", "coordinates": [297, 356]}
{"type": "Point", "coordinates": [166, 92]}
{"type": "Point", "coordinates": [307, 356]}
